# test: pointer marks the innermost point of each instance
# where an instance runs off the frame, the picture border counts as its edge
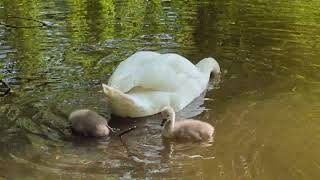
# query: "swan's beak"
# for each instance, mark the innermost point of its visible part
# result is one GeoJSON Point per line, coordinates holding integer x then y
{"type": "Point", "coordinates": [216, 77]}
{"type": "Point", "coordinates": [163, 122]}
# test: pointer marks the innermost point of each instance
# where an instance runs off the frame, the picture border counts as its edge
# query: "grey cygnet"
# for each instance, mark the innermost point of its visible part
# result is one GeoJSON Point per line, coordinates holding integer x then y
{"type": "Point", "coordinates": [188, 129]}
{"type": "Point", "coordinates": [89, 123]}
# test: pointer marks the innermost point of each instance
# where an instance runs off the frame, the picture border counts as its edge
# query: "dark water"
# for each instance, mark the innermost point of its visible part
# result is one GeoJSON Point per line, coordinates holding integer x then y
{"type": "Point", "coordinates": [266, 110]}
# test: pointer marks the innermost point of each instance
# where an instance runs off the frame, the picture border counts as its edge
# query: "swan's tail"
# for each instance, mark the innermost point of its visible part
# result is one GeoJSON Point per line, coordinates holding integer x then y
{"type": "Point", "coordinates": [112, 92]}
{"type": "Point", "coordinates": [107, 90]}
{"type": "Point", "coordinates": [116, 96]}
{"type": "Point", "coordinates": [121, 104]}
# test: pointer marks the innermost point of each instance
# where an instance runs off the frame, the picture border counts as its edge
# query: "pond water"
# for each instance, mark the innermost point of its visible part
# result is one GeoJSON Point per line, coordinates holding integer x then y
{"type": "Point", "coordinates": [266, 110]}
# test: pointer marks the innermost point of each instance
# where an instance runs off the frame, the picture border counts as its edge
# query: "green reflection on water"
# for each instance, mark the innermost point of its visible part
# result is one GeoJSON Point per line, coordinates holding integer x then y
{"type": "Point", "coordinates": [265, 110]}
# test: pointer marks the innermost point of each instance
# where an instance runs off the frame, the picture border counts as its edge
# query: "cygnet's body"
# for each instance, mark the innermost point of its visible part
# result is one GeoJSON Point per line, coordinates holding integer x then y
{"type": "Point", "coordinates": [192, 130]}
{"type": "Point", "coordinates": [88, 123]}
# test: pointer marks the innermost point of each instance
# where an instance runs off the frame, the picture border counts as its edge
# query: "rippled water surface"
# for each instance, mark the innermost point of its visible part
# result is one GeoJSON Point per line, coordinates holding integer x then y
{"type": "Point", "coordinates": [266, 110]}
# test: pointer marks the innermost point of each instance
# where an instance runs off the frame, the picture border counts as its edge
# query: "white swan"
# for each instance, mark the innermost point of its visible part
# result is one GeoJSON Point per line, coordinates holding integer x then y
{"type": "Point", "coordinates": [147, 81]}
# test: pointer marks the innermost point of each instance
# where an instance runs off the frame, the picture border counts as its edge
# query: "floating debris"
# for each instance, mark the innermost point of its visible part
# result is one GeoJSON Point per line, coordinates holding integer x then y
{"type": "Point", "coordinates": [31, 20]}
{"type": "Point", "coordinates": [4, 88]}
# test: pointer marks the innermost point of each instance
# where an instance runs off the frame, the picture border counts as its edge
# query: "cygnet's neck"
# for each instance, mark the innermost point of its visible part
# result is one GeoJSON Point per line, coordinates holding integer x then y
{"type": "Point", "coordinates": [209, 65]}
{"type": "Point", "coordinates": [169, 125]}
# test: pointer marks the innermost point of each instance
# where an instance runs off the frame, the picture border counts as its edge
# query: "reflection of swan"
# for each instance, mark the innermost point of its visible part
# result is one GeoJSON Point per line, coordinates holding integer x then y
{"type": "Point", "coordinates": [147, 81]}
{"type": "Point", "coordinates": [89, 123]}
{"type": "Point", "coordinates": [188, 129]}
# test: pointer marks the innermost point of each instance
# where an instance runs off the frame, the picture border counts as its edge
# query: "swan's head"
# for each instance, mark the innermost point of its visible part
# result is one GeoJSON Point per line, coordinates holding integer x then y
{"type": "Point", "coordinates": [167, 114]}
{"type": "Point", "coordinates": [210, 65]}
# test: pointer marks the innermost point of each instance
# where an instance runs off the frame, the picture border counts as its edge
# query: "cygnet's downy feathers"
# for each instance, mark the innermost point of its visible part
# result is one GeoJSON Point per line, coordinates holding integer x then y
{"type": "Point", "coordinates": [184, 129]}
{"type": "Point", "coordinates": [88, 123]}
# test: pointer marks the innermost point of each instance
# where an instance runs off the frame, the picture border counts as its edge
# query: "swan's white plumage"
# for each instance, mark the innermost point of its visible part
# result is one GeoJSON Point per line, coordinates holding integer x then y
{"type": "Point", "coordinates": [147, 81]}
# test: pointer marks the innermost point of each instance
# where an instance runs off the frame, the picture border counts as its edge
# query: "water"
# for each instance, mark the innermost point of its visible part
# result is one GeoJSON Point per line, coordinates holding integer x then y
{"type": "Point", "coordinates": [266, 110]}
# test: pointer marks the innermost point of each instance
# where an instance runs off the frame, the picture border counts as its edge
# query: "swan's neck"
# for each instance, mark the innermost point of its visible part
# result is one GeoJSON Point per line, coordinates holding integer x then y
{"type": "Point", "coordinates": [169, 125]}
{"type": "Point", "coordinates": [209, 65]}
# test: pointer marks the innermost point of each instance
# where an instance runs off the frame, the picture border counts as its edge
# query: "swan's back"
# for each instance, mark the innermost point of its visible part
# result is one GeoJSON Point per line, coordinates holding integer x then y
{"type": "Point", "coordinates": [121, 78]}
{"type": "Point", "coordinates": [151, 70]}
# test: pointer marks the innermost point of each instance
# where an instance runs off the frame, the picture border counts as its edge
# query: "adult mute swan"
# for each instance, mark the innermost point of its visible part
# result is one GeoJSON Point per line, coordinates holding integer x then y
{"type": "Point", "coordinates": [192, 130]}
{"type": "Point", "coordinates": [147, 81]}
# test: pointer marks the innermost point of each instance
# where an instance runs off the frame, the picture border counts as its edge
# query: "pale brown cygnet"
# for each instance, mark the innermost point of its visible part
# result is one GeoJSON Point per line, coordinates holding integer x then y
{"type": "Point", "coordinates": [185, 129]}
{"type": "Point", "coordinates": [89, 123]}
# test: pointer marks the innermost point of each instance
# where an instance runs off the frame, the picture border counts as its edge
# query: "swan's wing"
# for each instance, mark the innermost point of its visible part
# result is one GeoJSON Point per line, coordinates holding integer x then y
{"type": "Point", "coordinates": [169, 72]}
{"type": "Point", "coordinates": [161, 72]}
{"type": "Point", "coordinates": [125, 75]}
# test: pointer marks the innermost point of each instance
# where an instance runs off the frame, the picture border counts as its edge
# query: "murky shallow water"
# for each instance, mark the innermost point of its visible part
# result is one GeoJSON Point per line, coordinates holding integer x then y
{"type": "Point", "coordinates": [266, 110]}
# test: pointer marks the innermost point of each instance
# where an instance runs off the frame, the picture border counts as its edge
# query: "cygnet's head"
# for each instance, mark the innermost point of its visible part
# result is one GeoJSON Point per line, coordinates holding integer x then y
{"type": "Point", "coordinates": [167, 113]}
{"type": "Point", "coordinates": [101, 130]}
